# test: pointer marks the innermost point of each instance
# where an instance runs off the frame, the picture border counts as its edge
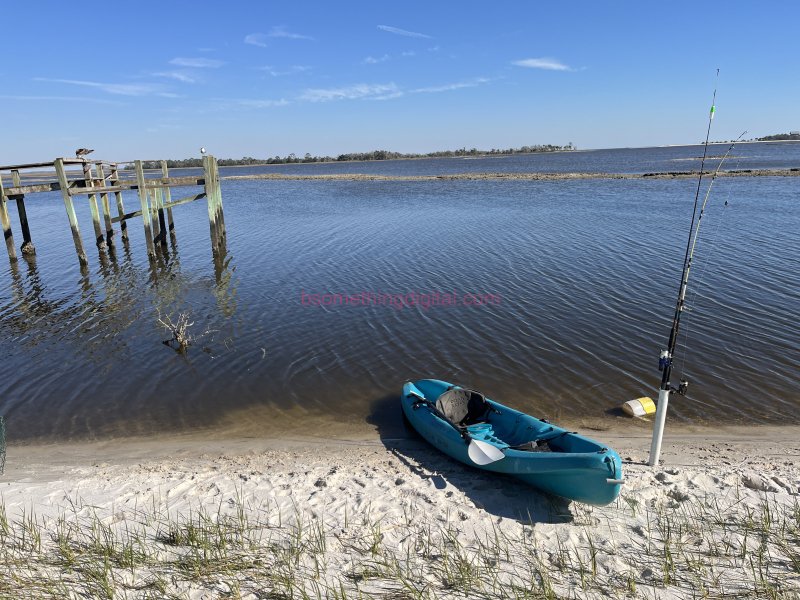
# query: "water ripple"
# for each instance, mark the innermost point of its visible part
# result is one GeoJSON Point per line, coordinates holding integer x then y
{"type": "Point", "coordinates": [586, 271]}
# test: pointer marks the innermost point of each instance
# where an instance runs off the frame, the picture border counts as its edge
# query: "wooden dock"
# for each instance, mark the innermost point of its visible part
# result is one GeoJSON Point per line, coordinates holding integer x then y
{"type": "Point", "coordinates": [98, 180]}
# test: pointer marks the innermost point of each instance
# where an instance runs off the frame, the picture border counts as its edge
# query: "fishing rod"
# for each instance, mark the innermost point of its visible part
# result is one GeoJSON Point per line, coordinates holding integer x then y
{"type": "Point", "coordinates": [666, 356]}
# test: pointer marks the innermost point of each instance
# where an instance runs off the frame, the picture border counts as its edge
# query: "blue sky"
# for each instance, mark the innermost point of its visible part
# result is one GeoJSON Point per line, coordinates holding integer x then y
{"type": "Point", "coordinates": [158, 80]}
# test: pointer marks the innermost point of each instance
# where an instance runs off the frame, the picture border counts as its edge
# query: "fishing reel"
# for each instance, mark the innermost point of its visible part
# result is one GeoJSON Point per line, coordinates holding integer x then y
{"type": "Point", "coordinates": [681, 389]}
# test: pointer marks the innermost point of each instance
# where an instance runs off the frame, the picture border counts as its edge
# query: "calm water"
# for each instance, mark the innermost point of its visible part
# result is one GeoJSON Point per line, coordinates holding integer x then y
{"type": "Point", "coordinates": [583, 276]}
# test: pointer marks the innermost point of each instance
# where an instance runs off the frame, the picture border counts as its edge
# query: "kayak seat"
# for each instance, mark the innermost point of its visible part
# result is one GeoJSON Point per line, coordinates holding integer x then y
{"type": "Point", "coordinates": [463, 407]}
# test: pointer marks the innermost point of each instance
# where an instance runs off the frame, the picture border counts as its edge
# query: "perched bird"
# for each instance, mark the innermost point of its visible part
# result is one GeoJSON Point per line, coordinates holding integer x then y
{"type": "Point", "coordinates": [82, 152]}
{"type": "Point", "coordinates": [202, 150]}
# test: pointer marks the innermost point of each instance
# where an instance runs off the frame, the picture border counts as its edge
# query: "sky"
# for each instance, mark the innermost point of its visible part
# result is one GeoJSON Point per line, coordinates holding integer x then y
{"type": "Point", "coordinates": [155, 80]}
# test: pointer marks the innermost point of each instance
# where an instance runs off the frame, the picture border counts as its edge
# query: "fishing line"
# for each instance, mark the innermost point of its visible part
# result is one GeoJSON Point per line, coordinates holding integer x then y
{"type": "Point", "coordinates": [692, 305]}
{"type": "Point", "coordinates": [693, 239]}
{"type": "Point", "coordinates": [686, 257]}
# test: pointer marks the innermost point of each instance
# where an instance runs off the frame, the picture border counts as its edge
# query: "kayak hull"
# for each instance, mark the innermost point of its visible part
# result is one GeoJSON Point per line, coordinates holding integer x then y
{"type": "Point", "coordinates": [577, 468]}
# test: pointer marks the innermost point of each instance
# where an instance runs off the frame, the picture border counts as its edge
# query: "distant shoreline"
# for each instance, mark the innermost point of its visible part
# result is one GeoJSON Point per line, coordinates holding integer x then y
{"type": "Point", "coordinates": [487, 155]}
{"type": "Point", "coordinates": [723, 143]}
{"type": "Point", "coordinates": [794, 172]}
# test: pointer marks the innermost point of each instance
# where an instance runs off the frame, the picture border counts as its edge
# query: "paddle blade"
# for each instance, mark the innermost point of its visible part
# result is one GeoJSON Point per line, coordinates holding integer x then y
{"type": "Point", "coordinates": [482, 453]}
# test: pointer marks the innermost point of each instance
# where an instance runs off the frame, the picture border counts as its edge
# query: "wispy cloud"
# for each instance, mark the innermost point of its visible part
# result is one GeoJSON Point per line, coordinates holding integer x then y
{"type": "Point", "coordinates": [182, 76]}
{"type": "Point", "coordinates": [197, 63]}
{"type": "Point", "coordinates": [256, 103]}
{"type": "Point", "coordinates": [405, 32]}
{"type": "Point", "coordinates": [282, 32]}
{"type": "Point", "coordinates": [61, 99]}
{"type": "Point", "coordinates": [256, 39]}
{"type": "Point", "coordinates": [371, 60]}
{"type": "Point", "coordinates": [218, 105]}
{"type": "Point", "coordinates": [227, 104]}
{"type": "Point", "coordinates": [374, 60]}
{"type": "Point", "coordinates": [384, 91]}
{"type": "Point", "coordinates": [279, 31]}
{"type": "Point", "coordinates": [121, 89]}
{"type": "Point", "coordinates": [448, 87]}
{"type": "Point", "coordinates": [549, 64]}
{"type": "Point", "coordinates": [293, 70]}
{"type": "Point", "coordinates": [353, 92]}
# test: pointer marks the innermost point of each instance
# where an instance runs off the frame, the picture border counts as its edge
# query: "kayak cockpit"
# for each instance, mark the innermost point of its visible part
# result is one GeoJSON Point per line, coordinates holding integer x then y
{"type": "Point", "coordinates": [483, 419]}
{"type": "Point", "coordinates": [472, 413]}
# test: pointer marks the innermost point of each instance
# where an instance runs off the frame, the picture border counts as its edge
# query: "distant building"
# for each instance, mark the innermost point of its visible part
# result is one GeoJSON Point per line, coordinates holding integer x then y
{"type": "Point", "coordinates": [794, 133]}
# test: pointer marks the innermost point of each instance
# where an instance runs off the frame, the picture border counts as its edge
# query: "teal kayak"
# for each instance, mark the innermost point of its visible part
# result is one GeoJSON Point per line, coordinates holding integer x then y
{"type": "Point", "coordinates": [482, 433]}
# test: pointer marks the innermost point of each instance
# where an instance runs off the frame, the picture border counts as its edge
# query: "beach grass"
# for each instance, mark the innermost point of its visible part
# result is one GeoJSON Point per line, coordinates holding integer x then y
{"type": "Point", "coordinates": [690, 547]}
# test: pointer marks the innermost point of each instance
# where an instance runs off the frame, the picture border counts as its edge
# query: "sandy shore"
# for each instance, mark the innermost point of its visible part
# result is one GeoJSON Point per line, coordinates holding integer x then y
{"type": "Point", "coordinates": [371, 517]}
{"type": "Point", "coordinates": [519, 176]}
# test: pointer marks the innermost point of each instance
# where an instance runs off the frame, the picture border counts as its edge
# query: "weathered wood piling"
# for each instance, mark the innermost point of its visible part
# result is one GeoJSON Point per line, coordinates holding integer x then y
{"type": "Point", "coordinates": [216, 219]}
{"type": "Point", "coordinates": [98, 179]}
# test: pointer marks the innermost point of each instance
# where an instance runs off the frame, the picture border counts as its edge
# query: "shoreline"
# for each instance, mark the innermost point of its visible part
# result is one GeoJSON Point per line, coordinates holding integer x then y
{"type": "Point", "coordinates": [633, 435]}
{"type": "Point", "coordinates": [793, 172]}
{"type": "Point", "coordinates": [281, 429]}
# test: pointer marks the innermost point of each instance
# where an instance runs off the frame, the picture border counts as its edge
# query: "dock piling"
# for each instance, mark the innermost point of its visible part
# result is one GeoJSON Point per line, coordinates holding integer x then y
{"type": "Point", "coordinates": [212, 213]}
{"type": "Point", "coordinates": [214, 197]}
{"type": "Point", "coordinates": [6, 223]}
{"type": "Point", "coordinates": [220, 212]}
{"type": "Point", "coordinates": [146, 217]}
{"type": "Point", "coordinates": [27, 247]}
{"type": "Point", "coordinates": [168, 198]}
{"type": "Point", "coordinates": [101, 176]}
{"type": "Point", "coordinates": [98, 230]}
{"type": "Point", "coordinates": [151, 197]}
{"type": "Point", "coordinates": [162, 225]}
{"type": "Point", "coordinates": [73, 219]}
{"type": "Point", "coordinates": [114, 180]}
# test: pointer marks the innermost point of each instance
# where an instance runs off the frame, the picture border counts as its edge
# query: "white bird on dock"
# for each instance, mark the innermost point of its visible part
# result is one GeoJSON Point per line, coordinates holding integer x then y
{"type": "Point", "coordinates": [83, 152]}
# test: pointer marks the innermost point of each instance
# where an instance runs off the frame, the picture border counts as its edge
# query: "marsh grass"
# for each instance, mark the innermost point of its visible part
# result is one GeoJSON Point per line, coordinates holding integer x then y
{"type": "Point", "coordinates": [700, 548]}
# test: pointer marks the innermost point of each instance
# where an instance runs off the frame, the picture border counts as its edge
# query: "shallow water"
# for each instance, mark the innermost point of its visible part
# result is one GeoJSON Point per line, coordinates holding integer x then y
{"type": "Point", "coordinates": [578, 280]}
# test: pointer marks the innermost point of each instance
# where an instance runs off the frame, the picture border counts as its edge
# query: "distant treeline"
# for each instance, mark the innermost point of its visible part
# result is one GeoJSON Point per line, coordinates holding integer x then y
{"type": "Point", "coordinates": [778, 137]}
{"type": "Point", "coordinates": [374, 155]}
{"type": "Point", "coordinates": [794, 135]}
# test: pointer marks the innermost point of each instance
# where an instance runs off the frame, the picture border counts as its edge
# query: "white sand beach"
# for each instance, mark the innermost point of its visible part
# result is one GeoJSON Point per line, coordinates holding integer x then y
{"type": "Point", "coordinates": [187, 517]}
